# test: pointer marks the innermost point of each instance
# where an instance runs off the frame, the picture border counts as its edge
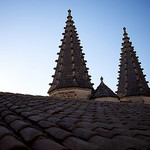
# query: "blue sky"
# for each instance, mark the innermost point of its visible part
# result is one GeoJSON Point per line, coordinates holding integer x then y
{"type": "Point", "coordinates": [30, 33]}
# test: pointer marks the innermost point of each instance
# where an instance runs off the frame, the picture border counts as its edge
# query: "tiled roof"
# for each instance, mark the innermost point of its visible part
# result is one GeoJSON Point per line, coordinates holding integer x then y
{"type": "Point", "coordinates": [42, 123]}
{"type": "Point", "coordinates": [103, 91]}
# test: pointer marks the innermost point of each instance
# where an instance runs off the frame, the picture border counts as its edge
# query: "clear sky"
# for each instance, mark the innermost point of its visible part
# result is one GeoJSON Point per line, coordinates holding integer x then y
{"type": "Point", "coordinates": [30, 33]}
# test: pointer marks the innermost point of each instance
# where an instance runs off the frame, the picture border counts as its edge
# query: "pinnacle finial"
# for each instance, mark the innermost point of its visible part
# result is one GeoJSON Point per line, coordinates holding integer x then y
{"type": "Point", "coordinates": [69, 12]}
{"type": "Point", "coordinates": [101, 79]}
{"type": "Point", "coordinates": [124, 30]}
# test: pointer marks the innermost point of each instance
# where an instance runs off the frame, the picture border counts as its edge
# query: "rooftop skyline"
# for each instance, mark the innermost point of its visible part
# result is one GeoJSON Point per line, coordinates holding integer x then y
{"type": "Point", "coordinates": [30, 33]}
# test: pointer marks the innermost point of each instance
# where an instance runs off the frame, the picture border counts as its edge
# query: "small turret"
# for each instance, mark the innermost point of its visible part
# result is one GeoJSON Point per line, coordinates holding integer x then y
{"type": "Point", "coordinates": [104, 93]}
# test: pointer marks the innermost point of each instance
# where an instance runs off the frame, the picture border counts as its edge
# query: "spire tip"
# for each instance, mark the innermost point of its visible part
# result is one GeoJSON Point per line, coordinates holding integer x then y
{"type": "Point", "coordinates": [101, 79]}
{"type": "Point", "coordinates": [69, 12]}
{"type": "Point", "coordinates": [124, 30]}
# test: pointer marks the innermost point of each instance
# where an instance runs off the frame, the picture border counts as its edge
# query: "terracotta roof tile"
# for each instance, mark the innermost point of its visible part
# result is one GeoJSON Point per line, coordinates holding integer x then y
{"type": "Point", "coordinates": [26, 114]}
{"type": "Point", "coordinates": [67, 125]}
{"type": "Point", "coordinates": [19, 110]}
{"type": "Point", "coordinates": [35, 118]}
{"type": "Point", "coordinates": [86, 125]}
{"type": "Point", "coordinates": [53, 119]}
{"type": "Point", "coordinates": [14, 107]}
{"type": "Point", "coordinates": [46, 124]}
{"type": "Point", "coordinates": [83, 133]}
{"type": "Point", "coordinates": [143, 137]}
{"type": "Point", "coordinates": [104, 143]}
{"type": "Point", "coordinates": [28, 134]}
{"type": "Point", "coordinates": [10, 142]}
{"type": "Point", "coordinates": [77, 144]}
{"type": "Point", "coordinates": [58, 133]}
{"type": "Point", "coordinates": [2, 108]}
{"type": "Point", "coordinates": [11, 118]}
{"type": "Point", "coordinates": [4, 131]}
{"type": "Point", "coordinates": [5, 113]}
{"type": "Point", "coordinates": [125, 142]}
{"type": "Point", "coordinates": [103, 132]}
{"type": "Point", "coordinates": [46, 144]}
{"type": "Point", "coordinates": [43, 115]}
{"type": "Point", "coordinates": [17, 125]}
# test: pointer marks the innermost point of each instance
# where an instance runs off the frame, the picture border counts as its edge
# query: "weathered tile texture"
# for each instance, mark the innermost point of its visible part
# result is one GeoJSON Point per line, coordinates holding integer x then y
{"type": "Point", "coordinates": [41, 123]}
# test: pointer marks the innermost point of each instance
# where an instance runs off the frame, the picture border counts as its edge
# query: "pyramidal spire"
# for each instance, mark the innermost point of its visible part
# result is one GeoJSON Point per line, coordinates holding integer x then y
{"type": "Point", "coordinates": [131, 78]}
{"type": "Point", "coordinates": [71, 70]}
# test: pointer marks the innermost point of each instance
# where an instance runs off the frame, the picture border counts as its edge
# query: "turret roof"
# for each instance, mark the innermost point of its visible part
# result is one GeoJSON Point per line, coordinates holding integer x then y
{"type": "Point", "coordinates": [131, 78]}
{"type": "Point", "coordinates": [103, 91]}
{"type": "Point", "coordinates": [71, 70]}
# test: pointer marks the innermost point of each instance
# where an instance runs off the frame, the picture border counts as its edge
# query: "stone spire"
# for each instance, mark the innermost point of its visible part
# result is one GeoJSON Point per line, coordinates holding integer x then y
{"type": "Point", "coordinates": [131, 78]}
{"type": "Point", "coordinates": [71, 70]}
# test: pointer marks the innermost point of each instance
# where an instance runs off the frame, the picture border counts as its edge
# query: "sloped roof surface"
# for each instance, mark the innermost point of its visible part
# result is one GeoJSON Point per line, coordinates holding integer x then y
{"type": "Point", "coordinates": [103, 91]}
{"type": "Point", "coordinates": [42, 123]}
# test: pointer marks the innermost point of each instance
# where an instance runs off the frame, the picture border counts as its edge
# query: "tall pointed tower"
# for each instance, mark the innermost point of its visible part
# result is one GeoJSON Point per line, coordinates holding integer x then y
{"type": "Point", "coordinates": [71, 79]}
{"type": "Point", "coordinates": [132, 84]}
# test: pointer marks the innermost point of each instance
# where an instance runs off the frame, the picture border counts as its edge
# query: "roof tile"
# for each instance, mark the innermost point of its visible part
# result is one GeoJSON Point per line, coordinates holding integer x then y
{"type": "Point", "coordinates": [83, 133]}
{"type": "Point", "coordinates": [28, 134]}
{"type": "Point", "coordinates": [5, 113]}
{"type": "Point", "coordinates": [103, 132]}
{"type": "Point", "coordinates": [125, 142]}
{"type": "Point", "coordinates": [46, 144]}
{"type": "Point", "coordinates": [44, 115]}
{"type": "Point", "coordinates": [35, 118]}
{"type": "Point", "coordinates": [2, 108]}
{"type": "Point", "coordinates": [4, 131]}
{"type": "Point", "coordinates": [19, 110]}
{"type": "Point", "coordinates": [58, 133]}
{"type": "Point", "coordinates": [86, 125]}
{"type": "Point", "coordinates": [53, 119]}
{"type": "Point", "coordinates": [102, 142]}
{"type": "Point", "coordinates": [66, 125]}
{"type": "Point", "coordinates": [17, 125]}
{"type": "Point", "coordinates": [26, 114]}
{"type": "Point", "coordinates": [10, 142]}
{"type": "Point", "coordinates": [13, 107]}
{"type": "Point", "coordinates": [46, 124]}
{"type": "Point", "coordinates": [11, 118]}
{"type": "Point", "coordinates": [77, 144]}
{"type": "Point", "coordinates": [143, 137]}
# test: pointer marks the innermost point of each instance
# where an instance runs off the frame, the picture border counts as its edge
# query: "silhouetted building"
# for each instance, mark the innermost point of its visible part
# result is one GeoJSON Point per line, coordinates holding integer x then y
{"type": "Point", "coordinates": [132, 85]}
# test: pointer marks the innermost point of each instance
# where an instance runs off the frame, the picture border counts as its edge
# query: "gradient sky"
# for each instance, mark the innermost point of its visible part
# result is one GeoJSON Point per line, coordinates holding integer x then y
{"type": "Point", "coordinates": [30, 33]}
